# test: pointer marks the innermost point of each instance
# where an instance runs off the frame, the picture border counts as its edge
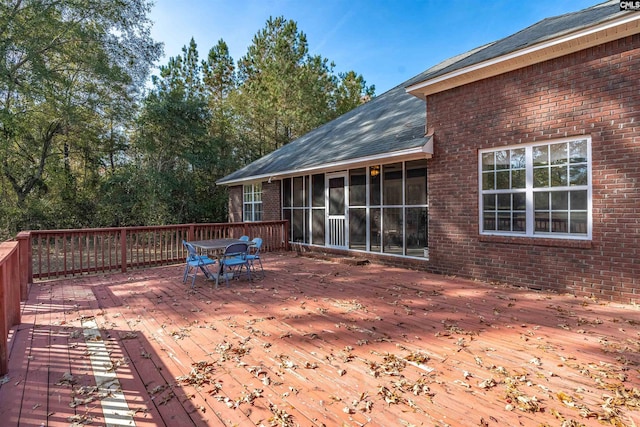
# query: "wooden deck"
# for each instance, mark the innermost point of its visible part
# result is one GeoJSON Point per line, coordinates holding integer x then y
{"type": "Point", "coordinates": [317, 343]}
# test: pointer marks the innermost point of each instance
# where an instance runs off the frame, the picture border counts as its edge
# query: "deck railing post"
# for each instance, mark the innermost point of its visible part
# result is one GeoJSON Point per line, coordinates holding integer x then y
{"type": "Point", "coordinates": [123, 249]}
{"type": "Point", "coordinates": [26, 264]}
{"type": "Point", "coordinates": [9, 297]}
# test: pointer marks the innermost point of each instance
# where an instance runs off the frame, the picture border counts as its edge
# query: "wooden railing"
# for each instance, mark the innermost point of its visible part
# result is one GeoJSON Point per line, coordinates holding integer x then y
{"type": "Point", "coordinates": [63, 253]}
{"type": "Point", "coordinates": [50, 254]}
{"type": "Point", "coordinates": [10, 293]}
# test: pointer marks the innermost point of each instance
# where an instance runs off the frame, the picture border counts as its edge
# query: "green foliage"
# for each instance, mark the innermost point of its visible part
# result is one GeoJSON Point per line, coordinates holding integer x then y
{"type": "Point", "coordinates": [78, 148]}
{"type": "Point", "coordinates": [68, 75]}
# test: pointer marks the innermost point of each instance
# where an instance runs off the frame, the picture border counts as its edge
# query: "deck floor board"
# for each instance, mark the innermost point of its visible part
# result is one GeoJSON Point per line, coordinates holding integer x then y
{"type": "Point", "coordinates": [318, 343]}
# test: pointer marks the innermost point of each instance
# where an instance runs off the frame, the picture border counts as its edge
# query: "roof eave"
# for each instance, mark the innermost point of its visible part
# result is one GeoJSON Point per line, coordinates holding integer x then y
{"type": "Point", "coordinates": [615, 29]}
{"type": "Point", "coordinates": [423, 151]}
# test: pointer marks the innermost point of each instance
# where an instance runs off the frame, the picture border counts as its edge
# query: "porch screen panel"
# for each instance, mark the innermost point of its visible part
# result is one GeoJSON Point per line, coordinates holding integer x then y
{"type": "Point", "coordinates": [375, 229]}
{"type": "Point", "coordinates": [317, 227]}
{"type": "Point", "coordinates": [317, 210]}
{"type": "Point", "coordinates": [416, 183]}
{"type": "Point", "coordinates": [286, 193]}
{"type": "Point", "coordinates": [336, 196]}
{"type": "Point", "coordinates": [299, 226]}
{"type": "Point", "coordinates": [358, 228]}
{"type": "Point", "coordinates": [298, 191]}
{"type": "Point", "coordinates": [357, 187]}
{"type": "Point", "coordinates": [374, 185]}
{"type": "Point", "coordinates": [392, 184]}
{"type": "Point", "coordinates": [392, 238]}
{"type": "Point", "coordinates": [416, 231]}
{"type": "Point", "coordinates": [317, 191]}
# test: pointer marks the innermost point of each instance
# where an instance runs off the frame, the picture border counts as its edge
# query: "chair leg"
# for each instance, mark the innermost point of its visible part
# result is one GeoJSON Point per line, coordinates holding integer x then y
{"type": "Point", "coordinates": [261, 268]}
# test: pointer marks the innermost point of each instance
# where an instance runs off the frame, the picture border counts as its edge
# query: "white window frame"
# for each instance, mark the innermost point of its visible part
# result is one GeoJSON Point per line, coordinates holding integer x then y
{"type": "Point", "coordinates": [530, 191]}
{"type": "Point", "coordinates": [252, 202]}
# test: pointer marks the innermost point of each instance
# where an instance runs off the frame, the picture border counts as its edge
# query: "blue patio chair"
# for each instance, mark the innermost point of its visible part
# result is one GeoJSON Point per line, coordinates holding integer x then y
{"type": "Point", "coordinates": [234, 259]}
{"type": "Point", "coordinates": [195, 262]}
{"type": "Point", "coordinates": [254, 256]}
{"type": "Point", "coordinates": [244, 238]}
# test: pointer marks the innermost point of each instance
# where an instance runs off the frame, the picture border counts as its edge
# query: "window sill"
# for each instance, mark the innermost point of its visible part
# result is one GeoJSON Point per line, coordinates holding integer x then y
{"type": "Point", "coordinates": [537, 241]}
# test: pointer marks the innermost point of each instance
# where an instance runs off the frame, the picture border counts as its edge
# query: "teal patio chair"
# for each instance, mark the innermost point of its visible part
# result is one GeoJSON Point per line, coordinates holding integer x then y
{"type": "Point", "coordinates": [254, 256]}
{"type": "Point", "coordinates": [234, 260]}
{"type": "Point", "coordinates": [194, 263]}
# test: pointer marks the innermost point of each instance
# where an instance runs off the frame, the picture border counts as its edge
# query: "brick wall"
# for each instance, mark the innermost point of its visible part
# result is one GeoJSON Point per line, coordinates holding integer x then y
{"type": "Point", "coordinates": [594, 92]}
{"type": "Point", "coordinates": [271, 210]}
{"type": "Point", "coordinates": [235, 203]}
{"type": "Point", "coordinates": [270, 202]}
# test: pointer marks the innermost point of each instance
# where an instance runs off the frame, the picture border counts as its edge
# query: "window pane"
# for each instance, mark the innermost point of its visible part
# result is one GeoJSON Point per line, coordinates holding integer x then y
{"type": "Point", "coordinates": [392, 238]}
{"type": "Point", "coordinates": [317, 216]}
{"type": "Point", "coordinates": [392, 184]}
{"type": "Point", "coordinates": [357, 187]}
{"type": "Point", "coordinates": [416, 183]}
{"type": "Point", "coordinates": [504, 221]}
{"type": "Point", "coordinates": [578, 151]}
{"type": "Point", "coordinates": [558, 153]}
{"type": "Point", "coordinates": [541, 177]}
{"type": "Point", "coordinates": [579, 222]}
{"type": "Point", "coordinates": [519, 201]}
{"type": "Point", "coordinates": [518, 178]}
{"type": "Point", "coordinates": [375, 179]}
{"type": "Point", "coordinates": [518, 158]}
{"type": "Point", "coordinates": [489, 201]}
{"type": "Point", "coordinates": [358, 228]}
{"type": "Point", "coordinates": [559, 222]}
{"type": "Point", "coordinates": [416, 240]}
{"type": "Point", "coordinates": [488, 181]}
{"type": "Point", "coordinates": [488, 163]}
{"type": "Point", "coordinates": [541, 201]}
{"type": "Point", "coordinates": [286, 192]}
{"type": "Point", "coordinates": [578, 175]}
{"type": "Point", "coordinates": [374, 230]}
{"type": "Point", "coordinates": [318, 190]}
{"type": "Point", "coordinates": [559, 177]}
{"type": "Point", "coordinates": [519, 221]}
{"type": "Point", "coordinates": [541, 155]}
{"type": "Point", "coordinates": [559, 200]}
{"type": "Point", "coordinates": [502, 159]}
{"type": "Point", "coordinates": [578, 200]}
{"type": "Point", "coordinates": [542, 222]}
{"type": "Point", "coordinates": [504, 202]}
{"type": "Point", "coordinates": [489, 220]}
{"type": "Point", "coordinates": [502, 180]}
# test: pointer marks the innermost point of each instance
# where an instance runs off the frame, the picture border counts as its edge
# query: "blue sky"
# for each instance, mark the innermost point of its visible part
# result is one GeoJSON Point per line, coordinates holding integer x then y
{"type": "Point", "coordinates": [386, 41]}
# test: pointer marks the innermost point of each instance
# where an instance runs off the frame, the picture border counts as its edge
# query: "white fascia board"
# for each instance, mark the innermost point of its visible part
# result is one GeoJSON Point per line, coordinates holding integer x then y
{"type": "Point", "coordinates": [420, 89]}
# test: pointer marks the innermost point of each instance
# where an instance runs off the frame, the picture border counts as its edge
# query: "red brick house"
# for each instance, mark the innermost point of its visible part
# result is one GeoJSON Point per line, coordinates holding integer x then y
{"type": "Point", "coordinates": [517, 162]}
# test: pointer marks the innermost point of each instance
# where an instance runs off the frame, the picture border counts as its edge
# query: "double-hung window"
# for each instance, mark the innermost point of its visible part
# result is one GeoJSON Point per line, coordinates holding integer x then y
{"type": "Point", "coordinates": [252, 202]}
{"type": "Point", "coordinates": [537, 190]}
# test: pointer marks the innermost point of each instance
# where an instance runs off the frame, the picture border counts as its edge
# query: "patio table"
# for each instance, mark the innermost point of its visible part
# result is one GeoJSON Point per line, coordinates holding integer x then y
{"type": "Point", "coordinates": [216, 248]}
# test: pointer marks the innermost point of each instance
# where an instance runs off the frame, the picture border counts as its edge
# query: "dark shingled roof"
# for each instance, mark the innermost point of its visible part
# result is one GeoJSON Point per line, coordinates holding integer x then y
{"type": "Point", "coordinates": [395, 120]}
